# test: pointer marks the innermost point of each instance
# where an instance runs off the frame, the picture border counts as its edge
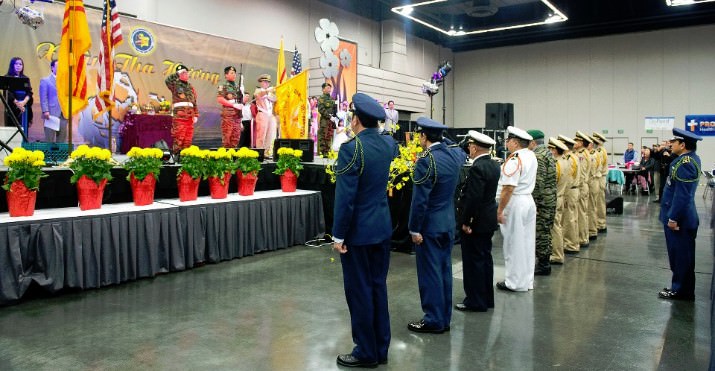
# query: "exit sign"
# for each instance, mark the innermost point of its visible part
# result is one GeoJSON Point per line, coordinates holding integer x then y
{"type": "Point", "coordinates": [620, 131]}
{"type": "Point", "coordinates": [604, 131]}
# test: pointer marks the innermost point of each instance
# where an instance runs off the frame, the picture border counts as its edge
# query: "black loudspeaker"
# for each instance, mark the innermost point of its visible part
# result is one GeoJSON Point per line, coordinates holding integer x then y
{"type": "Point", "coordinates": [305, 145]}
{"type": "Point", "coordinates": [499, 116]}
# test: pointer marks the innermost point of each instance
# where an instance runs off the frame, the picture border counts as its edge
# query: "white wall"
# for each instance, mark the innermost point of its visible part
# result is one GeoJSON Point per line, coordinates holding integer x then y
{"type": "Point", "coordinates": [606, 83]}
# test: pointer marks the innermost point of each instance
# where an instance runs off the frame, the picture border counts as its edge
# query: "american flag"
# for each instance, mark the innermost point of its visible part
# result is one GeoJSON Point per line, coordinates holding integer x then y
{"type": "Point", "coordinates": [111, 36]}
{"type": "Point", "coordinates": [297, 66]}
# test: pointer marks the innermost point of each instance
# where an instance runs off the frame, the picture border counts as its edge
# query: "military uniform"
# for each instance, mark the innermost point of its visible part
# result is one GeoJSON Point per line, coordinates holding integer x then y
{"type": "Point", "coordinates": [432, 217]}
{"type": "Point", "coordinates": [601, 205]}
{"type": "Point", "coordinates": [327, 109]}
{"type": "Point", "coordinates": [230, 115]}
{"type": "Point", "coordinates": [185, 113]}
{"type": "Point", "coordinates": [362, 224]}
{"type": "Point", "coordinates": [477, 210]}
{"type": "Point", "coordinates": [564, 181]}
{"type": "Point", "coordinates": [544, 195]}
{"type": "Point", "coordinates": [569, 219]}
{"type": "Point", "coordinates": [265, 121]}
{"type": "Point", "coordinates": [519, 228]}
{"type": "Point", "coordinates": [594, 193]}
{"type": "Point", "coordinates": [678, 212]}
{"type": "Point", "coordinates": [584, 161]}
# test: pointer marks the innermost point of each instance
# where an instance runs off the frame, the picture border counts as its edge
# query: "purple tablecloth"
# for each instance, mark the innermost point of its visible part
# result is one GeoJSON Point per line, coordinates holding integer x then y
{"type": "Point", "coordinates": [145, 130]}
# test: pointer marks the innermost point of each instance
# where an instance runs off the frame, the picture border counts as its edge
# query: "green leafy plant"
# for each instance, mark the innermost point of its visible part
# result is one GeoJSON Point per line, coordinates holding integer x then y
{"type": "Point", "coordinates": [26, 166]}
{"type": "Point", "coordinates": [219, 162]}
{"type": "Point", "coordinates": [94, 162]}
{"type": "Point", "coordinates": [143, 161]}
{"type": "Point", "coordinates": [288, 158]}
{"type": "Point", "coordinates": [247, 161]}
{"type": "Point", "coordinates": [193, 162]}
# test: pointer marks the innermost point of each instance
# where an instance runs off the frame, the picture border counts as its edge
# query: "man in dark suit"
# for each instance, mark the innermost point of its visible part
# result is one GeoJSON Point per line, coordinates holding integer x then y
{"type": "Point", "coordinates": [679, 215]}
{"type": "Point", "coordinates": [362, 230]}
{"type": "Point", "coordinates": [51, 107]}
{"type": "Point", "coordinates": [432, 225]}
{"type": "Point", "coordinates": [477, 220]}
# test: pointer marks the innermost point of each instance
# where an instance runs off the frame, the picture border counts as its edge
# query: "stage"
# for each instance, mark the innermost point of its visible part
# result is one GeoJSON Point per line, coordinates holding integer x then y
{"type": "Point", "coordinates": [66, 248]}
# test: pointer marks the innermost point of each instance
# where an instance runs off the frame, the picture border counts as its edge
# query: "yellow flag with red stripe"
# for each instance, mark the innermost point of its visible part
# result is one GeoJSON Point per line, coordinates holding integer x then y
{"type": "Point", "coordinates": [281, 69]}
{"type": "Point", "coordinates": [71, 64]}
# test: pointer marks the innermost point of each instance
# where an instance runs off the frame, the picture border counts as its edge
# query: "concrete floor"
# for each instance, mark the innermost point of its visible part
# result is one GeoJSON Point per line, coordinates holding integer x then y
{"type": "Point", "coordinates": [286, 310]}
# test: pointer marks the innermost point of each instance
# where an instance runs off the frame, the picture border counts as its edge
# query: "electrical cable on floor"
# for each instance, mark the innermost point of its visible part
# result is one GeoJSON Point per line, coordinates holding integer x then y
{"type": "Point", "coordinates": [326, 240]}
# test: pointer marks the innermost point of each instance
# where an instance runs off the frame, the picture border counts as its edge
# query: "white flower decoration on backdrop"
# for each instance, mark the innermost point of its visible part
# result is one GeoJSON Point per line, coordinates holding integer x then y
{"type": "Point", "coordinates": [329, 63]}
{"type": "Point", "coordinates": [345, 58]}
{"type": "Point", "coordinates": [327, 35]}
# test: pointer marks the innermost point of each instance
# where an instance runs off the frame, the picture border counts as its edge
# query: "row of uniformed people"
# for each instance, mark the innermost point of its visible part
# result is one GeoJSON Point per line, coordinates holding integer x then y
{"type": "Point", "coordinates": [582, 167]}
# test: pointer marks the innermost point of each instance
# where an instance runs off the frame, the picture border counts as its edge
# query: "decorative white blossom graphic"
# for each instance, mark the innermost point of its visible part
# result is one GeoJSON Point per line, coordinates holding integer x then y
{"type": "Point", "coordinates": [345, 58]}
{"type": "Point", "coordinates": [327, 35]}
{"type": "Point", "coordinates": [329, 63]}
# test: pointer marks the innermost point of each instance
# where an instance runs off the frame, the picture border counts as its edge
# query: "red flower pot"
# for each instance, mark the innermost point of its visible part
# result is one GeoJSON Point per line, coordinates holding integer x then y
{"type": "Point", "coordinates": [289, 181]}
{"type": "Point", "coordinates": [20, 199]}
{"type": "Point", "coordinates": [217, 189]}
{"type": "Point", "coordinates": [143, 190]}
{"type": "Point", "coordinates": [246, 183]}
{"type": "Point", "coordinates": [89, 193]}
{"type": "Point", "coordinates": [188, 187]}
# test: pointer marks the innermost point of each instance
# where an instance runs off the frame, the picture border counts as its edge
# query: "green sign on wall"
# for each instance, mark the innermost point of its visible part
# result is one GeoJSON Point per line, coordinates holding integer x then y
{"type": "Point", "coordinates": [620, 131]}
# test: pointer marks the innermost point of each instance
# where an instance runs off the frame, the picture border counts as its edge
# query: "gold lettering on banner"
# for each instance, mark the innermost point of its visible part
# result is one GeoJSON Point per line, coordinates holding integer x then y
{"type": "Point", "coordinates": [130, 63]}
{"type": "Point", "coordinates": [199, 74]}
{"type": "Point", "coordinates": [46, 50]}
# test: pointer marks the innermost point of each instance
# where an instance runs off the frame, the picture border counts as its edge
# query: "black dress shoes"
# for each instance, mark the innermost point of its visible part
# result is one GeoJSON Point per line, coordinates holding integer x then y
{"type": "Point", "coordinates": [348, 360]}
{"type": "Point", "coordinates": [591, 238]}
{"type": "Point", "coordinates": [421, 326]}
{"type": "Point", "coordinates": [464, 308]}
{"type": "Point", "coordinates": [502, 286]}
{"type": "Point", "coordinates": [603, 230]}
{"type": "Point", "coordinates": [672, 295]}
{"type": "Point", "coordinates": [570, 252]}
{"type": "Point", "coordinates": [542, 271]}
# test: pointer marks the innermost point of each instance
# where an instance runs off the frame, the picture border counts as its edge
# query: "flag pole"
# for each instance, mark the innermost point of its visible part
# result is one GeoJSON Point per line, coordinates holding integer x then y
{"type": "Point", "coordinates": [70, 62]}
{"type": "Point", "coordinates": [107, 35]}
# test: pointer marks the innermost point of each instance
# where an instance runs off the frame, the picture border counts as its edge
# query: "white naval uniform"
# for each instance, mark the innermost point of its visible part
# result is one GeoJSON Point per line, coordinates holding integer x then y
{"type": "Point", "coordinates": [519, 230]}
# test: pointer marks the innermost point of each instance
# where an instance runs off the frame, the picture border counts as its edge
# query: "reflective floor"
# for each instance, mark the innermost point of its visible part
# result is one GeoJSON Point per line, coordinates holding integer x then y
{"type": "Point", "coordinates": [285, 310]}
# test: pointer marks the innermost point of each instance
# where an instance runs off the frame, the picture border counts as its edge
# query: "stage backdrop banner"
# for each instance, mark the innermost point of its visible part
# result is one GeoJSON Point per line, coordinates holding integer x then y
{"type": "Point", "coordinates": [148, 55]}
{"type": "Point", "coordinates": [703, 125]}
{"type": "Point", "coordinates": [291, 106]}
{"type": "Point", "coordinates": [345, 83]}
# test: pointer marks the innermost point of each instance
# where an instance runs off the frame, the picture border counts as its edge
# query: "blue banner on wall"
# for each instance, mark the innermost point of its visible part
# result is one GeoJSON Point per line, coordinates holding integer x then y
{"type": "Point", "coordinates": [703, 125]}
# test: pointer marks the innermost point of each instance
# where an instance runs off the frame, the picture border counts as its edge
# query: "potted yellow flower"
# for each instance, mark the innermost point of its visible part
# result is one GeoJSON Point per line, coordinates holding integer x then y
{"type": "Point", "coordinates": [247, 170]}
{"type": "Point", "coordinates": [143, 165]}
{"type": "Point", "coordinates": [191, 171]}
{"type": "Point", "coordinates": [91, 171]}
{"type": "Point", "coordinates": [288, 167]}
{"type": "Point", "coordinates": [219, 166]}
{"type": "Point", "coordinates": [22, 180]}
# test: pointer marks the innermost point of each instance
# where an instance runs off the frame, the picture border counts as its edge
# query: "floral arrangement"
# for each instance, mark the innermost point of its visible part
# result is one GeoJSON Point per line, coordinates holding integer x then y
{"type": "Point", "coordinates": [247, 160]}
{"type": "Point", "coordinates": [219, 163]}
{"type": "Point", "coordinates": [143, 161]}
{"type": "Point", "coordinates": [26, 166]}
{"type": "Point", "coordinates": [193, 162]}
{"type": "Point", "coordinates": [93, 162]}
{"type": "Point", "coordinates": [402, 167]}
{"type": "Point", "coordinates": [288, 158]}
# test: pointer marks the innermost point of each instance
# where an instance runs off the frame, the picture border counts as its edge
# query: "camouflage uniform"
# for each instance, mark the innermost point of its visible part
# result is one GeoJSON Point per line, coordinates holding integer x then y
{"type": "Point", "coordinates": [570, 215]}
{"type": "Point", "coordinates": [584, 161]}
{"type": "Point", "coordinates": [327, 109]}
{"type": "Point", "coordinates": [565, 176]}
{"type": "Point", "coordinates": [544, 195]}
{"type": "Point", "coordinates": [230, 116]}
{"type": "Point", "coordinates": [183, 97]}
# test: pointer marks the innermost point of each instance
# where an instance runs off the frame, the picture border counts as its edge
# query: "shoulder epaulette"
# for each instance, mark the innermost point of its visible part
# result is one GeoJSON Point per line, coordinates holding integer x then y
{"type": "Point", "coordinates": [686, 160]}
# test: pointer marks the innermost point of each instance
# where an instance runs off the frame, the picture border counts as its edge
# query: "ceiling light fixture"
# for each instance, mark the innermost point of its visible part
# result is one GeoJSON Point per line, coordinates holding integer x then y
{"type": "Point", "coordinates": [557, 16]}
{"type": "Point", "coordinates": [407, 10]}
{"type": "Point", "coordinates": [685, 2]}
